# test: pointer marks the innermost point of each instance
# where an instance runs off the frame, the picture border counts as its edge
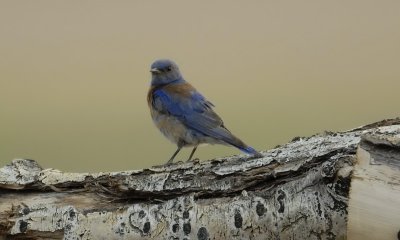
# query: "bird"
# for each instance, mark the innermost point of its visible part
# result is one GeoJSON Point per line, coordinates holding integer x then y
{"type": "Point", "coordinates": [183, 114]}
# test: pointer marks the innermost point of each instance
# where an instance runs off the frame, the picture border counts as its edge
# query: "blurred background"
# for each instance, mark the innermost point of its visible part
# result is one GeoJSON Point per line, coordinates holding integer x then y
{"type": "Point", "coordinates": [74, 74]}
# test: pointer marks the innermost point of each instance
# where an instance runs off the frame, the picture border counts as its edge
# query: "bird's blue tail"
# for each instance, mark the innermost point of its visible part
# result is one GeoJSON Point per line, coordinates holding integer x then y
{"type": "Point", "coordinates": [225, 135]}
{"type": "Point", "coordinates": [250, 150]}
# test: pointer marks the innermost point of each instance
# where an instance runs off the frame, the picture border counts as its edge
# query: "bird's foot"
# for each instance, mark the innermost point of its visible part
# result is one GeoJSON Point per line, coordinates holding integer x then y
{"type": "Point", "coordinates": [196, 160]}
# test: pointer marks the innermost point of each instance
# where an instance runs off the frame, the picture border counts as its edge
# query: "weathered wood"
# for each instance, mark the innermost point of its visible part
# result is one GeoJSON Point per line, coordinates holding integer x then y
{"type": "Point", "coordinates": [296, 191]}
{"type": "Point", "coordinates": [374, 207]}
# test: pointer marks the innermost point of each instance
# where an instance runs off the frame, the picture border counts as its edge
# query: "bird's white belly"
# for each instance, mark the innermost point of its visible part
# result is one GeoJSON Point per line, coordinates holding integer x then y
{"type": "Point", "coordinates": [173, 129]}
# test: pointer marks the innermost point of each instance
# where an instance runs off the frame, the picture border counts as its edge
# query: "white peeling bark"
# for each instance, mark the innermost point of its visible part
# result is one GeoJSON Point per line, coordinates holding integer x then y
{"type": "Point", "coordinates": [296, 191]}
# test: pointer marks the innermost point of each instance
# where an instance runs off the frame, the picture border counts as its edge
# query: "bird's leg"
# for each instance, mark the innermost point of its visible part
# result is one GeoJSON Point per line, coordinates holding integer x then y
{"type": "Point", "coordinates": [191, 154]}
{"type": "Point", "coordinates": [174, 155]}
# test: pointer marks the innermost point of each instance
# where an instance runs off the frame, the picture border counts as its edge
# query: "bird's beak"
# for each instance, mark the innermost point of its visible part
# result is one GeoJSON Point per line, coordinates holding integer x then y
{"type": "Point", "coordinates": [155, 70]}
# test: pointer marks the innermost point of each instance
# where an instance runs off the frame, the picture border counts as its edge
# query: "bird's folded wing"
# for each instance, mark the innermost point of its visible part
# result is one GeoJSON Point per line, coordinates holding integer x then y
{"type": "Point", "coordinates": [192, 109]}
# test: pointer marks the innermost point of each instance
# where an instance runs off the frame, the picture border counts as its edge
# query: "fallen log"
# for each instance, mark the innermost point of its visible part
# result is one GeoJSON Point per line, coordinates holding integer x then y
{"type": "Point", "coordinates": [296, 191]}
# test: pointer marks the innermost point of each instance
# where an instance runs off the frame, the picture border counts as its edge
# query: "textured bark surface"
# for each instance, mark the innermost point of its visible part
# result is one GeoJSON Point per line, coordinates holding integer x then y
{"type": "Point", "coordinates": [296, 191]}
{"type": "Point", "coordinates": [374, 206]}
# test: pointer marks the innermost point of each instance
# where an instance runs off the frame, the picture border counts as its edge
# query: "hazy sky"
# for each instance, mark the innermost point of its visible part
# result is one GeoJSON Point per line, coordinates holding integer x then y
{"type": "Point", "coordinates": [74, 74]}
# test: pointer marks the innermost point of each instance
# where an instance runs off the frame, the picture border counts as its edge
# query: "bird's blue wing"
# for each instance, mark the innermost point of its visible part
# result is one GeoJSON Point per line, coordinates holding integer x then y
{"type": "Point", "coordinates": [186, 107]}
{"type": "Point", "coordinates": [192, 109]}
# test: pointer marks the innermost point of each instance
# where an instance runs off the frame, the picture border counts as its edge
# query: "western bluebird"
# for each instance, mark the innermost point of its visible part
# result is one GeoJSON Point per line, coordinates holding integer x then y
{"type": "Point", "coordinates": [183, 115]}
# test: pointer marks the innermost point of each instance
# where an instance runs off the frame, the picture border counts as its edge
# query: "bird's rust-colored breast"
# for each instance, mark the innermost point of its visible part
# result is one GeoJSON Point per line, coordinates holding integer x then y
{"type": "Point", "coordinates": [150, 96]}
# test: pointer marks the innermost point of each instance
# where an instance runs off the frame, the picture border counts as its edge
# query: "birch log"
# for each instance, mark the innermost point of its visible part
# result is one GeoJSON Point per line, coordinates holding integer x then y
{"type": "Point", "coordinates": [296, 191]}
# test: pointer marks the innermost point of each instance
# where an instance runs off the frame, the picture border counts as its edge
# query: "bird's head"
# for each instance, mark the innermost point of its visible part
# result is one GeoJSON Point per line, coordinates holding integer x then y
{"type": "Point", "coordinates": [164, 71]}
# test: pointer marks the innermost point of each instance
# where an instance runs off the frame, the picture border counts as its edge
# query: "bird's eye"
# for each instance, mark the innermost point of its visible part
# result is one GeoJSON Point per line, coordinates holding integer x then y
{"type": "Point", "coordinates": [169, 69]}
